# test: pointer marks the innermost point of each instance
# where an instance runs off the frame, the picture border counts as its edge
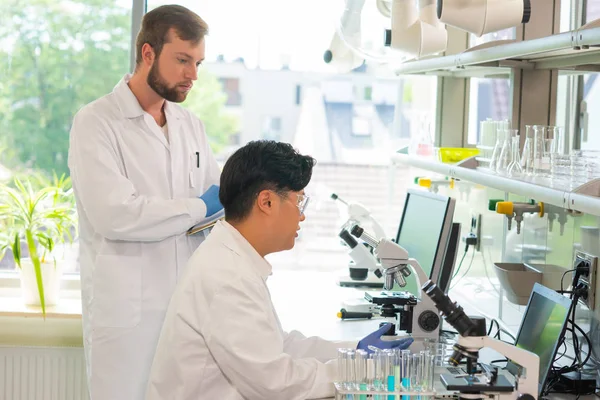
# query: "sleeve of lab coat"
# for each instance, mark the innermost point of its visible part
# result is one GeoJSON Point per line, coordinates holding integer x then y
{"type": "Point", "coordinates": [299, 346]}
{"type": "Point", "coordinates": [110, 200]}
{"type": "Point", "coordinates": [248, 347]}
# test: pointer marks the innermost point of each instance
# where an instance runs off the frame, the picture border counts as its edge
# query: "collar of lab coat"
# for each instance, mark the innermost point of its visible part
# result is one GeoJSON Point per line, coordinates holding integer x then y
{"type": "Point", "coordinates": [129, 104]}
{"type": "Point", "coordinates": [241, 246]}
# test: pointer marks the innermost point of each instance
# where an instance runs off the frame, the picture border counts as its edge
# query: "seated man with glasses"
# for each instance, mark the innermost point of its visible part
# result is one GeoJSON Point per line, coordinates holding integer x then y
{"type": "Point", "coordinates": [221, 338]}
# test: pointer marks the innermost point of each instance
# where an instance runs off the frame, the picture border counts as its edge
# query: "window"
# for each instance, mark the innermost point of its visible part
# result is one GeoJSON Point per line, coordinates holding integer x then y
{"type": "Point", "coordinates": [271, 128]}
{"type": "Point", "coordinates": [351, 143]}
{"type": "Point", "coordinates": [589, 120]}
{"type": "Point", "coordinates": [592, 10]}
{"type": "Point", "coordinates": [488, 98]}
{"type": "Point", "coordinates": [298, 94]}
{"type": "Point", "coordinates": [231, 87]}
{"type": "Point", "coordinates": [55, 57]}
{"type": "Point", "coordinates": [368, 93]}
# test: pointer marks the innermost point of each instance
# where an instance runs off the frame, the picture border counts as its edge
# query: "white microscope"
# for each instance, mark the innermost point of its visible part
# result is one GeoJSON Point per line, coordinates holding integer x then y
{"type": "Point", "coordinates": [364, 271]}
{"type": "Point", "coordinates": [419, 317]}
{"type": "Point", "coordinates": [472, 331]}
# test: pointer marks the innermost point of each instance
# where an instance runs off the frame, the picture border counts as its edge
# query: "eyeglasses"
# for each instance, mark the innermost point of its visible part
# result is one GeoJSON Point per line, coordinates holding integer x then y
{"type": "Point", "coordinates": [302, 202]}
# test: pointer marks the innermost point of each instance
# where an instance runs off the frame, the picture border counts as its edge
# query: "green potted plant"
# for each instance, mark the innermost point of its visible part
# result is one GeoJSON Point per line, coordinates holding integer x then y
{"type": "Point", "coordinates": [36, 216]}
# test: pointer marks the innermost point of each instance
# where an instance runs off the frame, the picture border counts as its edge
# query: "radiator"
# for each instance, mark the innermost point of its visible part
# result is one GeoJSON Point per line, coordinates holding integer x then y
{"type": "Point", "coordinates": [42, 373]}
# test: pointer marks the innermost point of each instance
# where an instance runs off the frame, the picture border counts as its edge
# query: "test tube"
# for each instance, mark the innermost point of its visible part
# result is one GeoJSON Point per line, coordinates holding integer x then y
{"type": "Point", "coordinates": [391, 379]}
{"type": "Point", "coordinates": [430, 365]}
{"type": "Point", "coordinates": [378, 362]}
{"type": "Point", "coordinates": [415, 373]}
{"type": "Point", "coordinates": [405, 371]}
{"type": "Point", "coordinates": [361, 372]}
{"type": "Point", "coordinates": [350, 369]}
{"type": "Point", "coordinates": [341, 353]}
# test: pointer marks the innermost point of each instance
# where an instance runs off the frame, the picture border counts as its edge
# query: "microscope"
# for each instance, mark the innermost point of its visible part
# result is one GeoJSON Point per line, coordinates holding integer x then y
{"type": "Point", "coordinates": [487, 382]}
{"type": "Point", "coordinates": [419, 317]}
{"type": "Point", "coordinates": [364, 271]}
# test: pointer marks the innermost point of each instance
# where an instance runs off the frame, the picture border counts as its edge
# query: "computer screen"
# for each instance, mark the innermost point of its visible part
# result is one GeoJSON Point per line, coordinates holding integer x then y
{"type": "Point", "coordinates": [423, 232]}
{"type": "Point", "coordinates": [445, 275]}
{"type": "Point", "coordinates": [542, 328]}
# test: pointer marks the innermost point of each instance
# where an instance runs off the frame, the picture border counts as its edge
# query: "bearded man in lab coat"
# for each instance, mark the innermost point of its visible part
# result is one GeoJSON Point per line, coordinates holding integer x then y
{"type": "Point", "coordinates": [143, 174]}
{"type": "Point", "coordinates": [222, 338]}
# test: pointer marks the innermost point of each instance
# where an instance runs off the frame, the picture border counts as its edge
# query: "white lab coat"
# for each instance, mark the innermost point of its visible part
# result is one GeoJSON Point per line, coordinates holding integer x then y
{"type": "Point", "coordinates": [136, 197]}
{"type": "Point", "coordinates": [222, 338]}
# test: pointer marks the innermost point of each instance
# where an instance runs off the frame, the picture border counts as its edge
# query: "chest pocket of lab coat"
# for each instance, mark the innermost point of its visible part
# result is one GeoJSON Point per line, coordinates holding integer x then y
{"type": "Point", "coordinates": [117, 291]}
{"type": "Point", "coordinates": [194, 171]}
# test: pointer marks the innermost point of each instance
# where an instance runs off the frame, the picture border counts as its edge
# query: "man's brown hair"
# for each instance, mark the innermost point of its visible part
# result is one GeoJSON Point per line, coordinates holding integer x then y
{"type": "Point", "coordinates": [156, 25]}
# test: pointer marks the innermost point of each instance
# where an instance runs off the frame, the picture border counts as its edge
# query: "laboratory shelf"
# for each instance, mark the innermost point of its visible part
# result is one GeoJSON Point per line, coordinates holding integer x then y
{"type": "Point", "coordinates": [584, 198]}
{"type": "Point", "coordinates": [575, 52]}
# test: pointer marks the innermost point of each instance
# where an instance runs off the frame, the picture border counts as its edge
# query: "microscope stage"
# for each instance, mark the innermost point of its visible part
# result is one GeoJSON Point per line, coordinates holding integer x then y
{"type": "Point", "coordinates": [475, 383]}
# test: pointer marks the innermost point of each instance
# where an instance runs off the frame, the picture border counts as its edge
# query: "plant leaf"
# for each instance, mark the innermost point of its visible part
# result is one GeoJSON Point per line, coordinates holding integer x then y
{"type": "Point", "coordinates": [33, 254]}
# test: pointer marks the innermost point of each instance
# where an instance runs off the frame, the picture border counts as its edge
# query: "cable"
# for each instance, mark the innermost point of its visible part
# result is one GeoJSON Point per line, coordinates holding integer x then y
{"type": "Point", "coordinates": [466, 272]}
{"type": "Point", "coordinates": [485, 269]}
{"type": "Point", "coordinates": [460, 263]}
{"type": "Point", "coordinates": [563, 277]}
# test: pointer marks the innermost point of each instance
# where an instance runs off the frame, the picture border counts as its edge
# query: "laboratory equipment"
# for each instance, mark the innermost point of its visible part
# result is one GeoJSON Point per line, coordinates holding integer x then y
{"type": "Point", "coordinates": [516, 210]}
{"type": "Point", "coordinates": [506, 157]}
{"type": "Point", "coordinates": [417, 27]}
{"type": "Point", "coordinates": [527, 155]}
{"type": "Point", "coordinates": [339, 54]}
{"type": "Point", "coordinates": [447, 270]}
{"type": "Point", "coordinates": [358, 213]}
{"type": "Point", "coordinates": [434, 184]}
{"type": "Point", "coordinates": [415, 316]}
{"type": "Point", "coordinates": [472, 338]}
{"type": "Point", "coordinates": [363, 261]}
{"type": "Point", "coordinates": [416, 33]}
{"type": "Point", "coordinates": [514, 168]}
{"type": "Point", "coordinates": [424, 230]}
{"type": "Point", "coordinates": [542, 329]}
{"type": "Point", "coordinates": [484, 16]}
{"type": "Point", "coordinates": [384, 374]}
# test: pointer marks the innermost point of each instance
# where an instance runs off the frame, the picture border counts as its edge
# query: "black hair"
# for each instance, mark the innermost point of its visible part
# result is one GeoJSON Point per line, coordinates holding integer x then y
{"type": "Point", "coordinates": [257, 166]}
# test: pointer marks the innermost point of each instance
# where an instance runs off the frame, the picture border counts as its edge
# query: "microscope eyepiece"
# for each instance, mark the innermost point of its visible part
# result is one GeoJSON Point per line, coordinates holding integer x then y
{"type": "Point", "coordinates": [452, 312]}
{"type": "Point", "coordinates": [347, 237]}
{"type": "Point", "coordinates": [357, 231]}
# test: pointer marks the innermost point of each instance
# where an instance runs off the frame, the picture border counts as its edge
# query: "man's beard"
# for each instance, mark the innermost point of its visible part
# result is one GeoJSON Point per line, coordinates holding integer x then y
{"type": "Point", "coordinates": [161, 88]}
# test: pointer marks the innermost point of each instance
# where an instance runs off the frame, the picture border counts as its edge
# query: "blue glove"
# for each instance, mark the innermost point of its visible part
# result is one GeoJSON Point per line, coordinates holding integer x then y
{"type": "Point", "coordinates": [374, 339]}
{"type": "Point", "coordinates": [211, 199]}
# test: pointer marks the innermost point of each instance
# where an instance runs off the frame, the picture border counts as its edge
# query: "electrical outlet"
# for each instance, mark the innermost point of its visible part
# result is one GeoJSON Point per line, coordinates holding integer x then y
{"type": "Point", "coordinates": [590, 279]}
{"type": "Point", "coordinates": [476, 229]}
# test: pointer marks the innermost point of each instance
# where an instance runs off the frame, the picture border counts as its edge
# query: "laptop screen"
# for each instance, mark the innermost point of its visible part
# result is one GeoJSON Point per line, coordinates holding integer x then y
{"type": "Point", "coordinates": [542, 328]}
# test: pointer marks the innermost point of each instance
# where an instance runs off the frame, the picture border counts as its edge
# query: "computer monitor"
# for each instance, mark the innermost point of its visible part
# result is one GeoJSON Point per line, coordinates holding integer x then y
{"type": "Point", "coordinates": [424, 231]}
{"type": "Point", "coordinates": [542, 328]}
{"type": "Point", "coordinates": [445, 275]}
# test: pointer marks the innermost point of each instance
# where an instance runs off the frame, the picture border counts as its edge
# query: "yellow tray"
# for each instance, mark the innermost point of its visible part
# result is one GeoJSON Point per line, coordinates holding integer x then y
{"type": "Point", "coordinates": [451, 155]}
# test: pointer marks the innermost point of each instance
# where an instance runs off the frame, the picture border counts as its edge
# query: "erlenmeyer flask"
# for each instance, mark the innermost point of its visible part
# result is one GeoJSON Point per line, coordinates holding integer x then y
{"type": "Point", "coordinates": [506, 153]}
{"type": "Point", "coordinates": [497, 148]}
{"type": "Point", "coordinates": [527, 156]}
{"type": "Point", "coordinates": [514, 169]}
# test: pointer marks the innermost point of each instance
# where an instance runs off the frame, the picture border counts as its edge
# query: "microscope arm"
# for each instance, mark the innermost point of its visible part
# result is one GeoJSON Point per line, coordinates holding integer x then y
{"type": "Point", "coordinates": [531, 362]}
{"type": "Point", "coordinates": [377, 228]}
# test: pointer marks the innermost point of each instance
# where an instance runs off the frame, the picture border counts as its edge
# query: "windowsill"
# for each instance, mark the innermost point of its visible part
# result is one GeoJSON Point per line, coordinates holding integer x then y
{"type": "Point", "coordinates": [22, 325]}
{"type": "Point", "coordinates": [68, 307]}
